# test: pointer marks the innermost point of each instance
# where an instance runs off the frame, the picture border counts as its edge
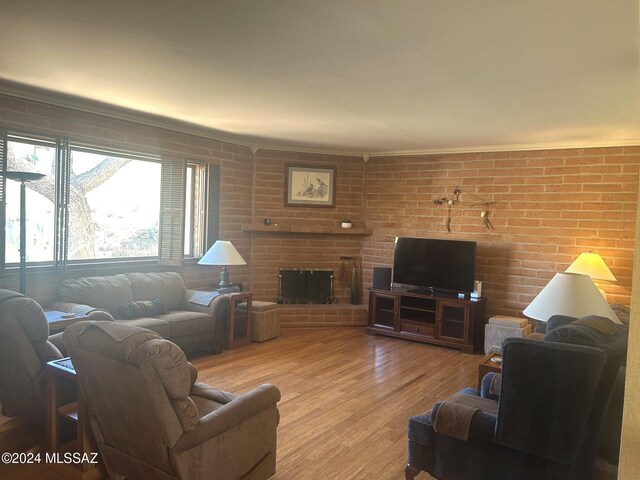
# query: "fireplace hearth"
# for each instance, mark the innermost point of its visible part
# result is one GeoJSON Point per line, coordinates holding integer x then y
{"type": "Point", "coordinates": [305, 286]}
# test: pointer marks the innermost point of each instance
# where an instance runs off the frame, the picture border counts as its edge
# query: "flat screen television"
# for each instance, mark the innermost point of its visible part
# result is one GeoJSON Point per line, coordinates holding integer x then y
{"type": "Point", "coordinates": [437, 266]}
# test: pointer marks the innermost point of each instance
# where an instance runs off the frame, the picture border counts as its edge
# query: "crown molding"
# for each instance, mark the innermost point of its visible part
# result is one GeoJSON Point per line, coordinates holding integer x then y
{"type": "Point", "coordinates": [511, 148]}
{"type": "Point", "coordinates": [57, 99]}
{"type": "Point", "coordinates": [309, 150]}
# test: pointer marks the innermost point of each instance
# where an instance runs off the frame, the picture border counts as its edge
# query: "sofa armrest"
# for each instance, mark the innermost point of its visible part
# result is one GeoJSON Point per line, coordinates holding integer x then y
{"type": "Point", "coordinates": [227, 416]}
{"type": "Point", "coordinates": [218, 305]}
{"type": "Point", "coordinates": [80, 309]}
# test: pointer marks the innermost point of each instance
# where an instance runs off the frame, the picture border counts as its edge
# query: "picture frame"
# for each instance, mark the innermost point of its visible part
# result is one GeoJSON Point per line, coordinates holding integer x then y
{"type": "Point", "coordinates": [310, 186]}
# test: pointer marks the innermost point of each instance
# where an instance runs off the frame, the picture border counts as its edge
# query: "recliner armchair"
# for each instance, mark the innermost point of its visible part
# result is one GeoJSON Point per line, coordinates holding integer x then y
{"type": "Point", "coordinates": [25, 349]}
{"type": "Point", "coordinates": [151, 418]}
{"type": "Point", "coordinates": [536, 425]}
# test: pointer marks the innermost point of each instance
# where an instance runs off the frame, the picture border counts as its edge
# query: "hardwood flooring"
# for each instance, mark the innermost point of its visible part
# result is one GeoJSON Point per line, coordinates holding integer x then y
{"type": "Point", "coordinates": [346, 398]}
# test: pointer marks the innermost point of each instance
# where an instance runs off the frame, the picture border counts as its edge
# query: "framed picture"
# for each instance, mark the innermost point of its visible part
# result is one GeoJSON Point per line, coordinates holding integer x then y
{"type": "Point", "coordinates": [310, 186]}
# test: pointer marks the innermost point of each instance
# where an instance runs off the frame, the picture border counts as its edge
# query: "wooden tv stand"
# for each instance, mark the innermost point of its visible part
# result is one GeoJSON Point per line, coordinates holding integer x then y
{"type": "Point", "coordinates": [428, 318]}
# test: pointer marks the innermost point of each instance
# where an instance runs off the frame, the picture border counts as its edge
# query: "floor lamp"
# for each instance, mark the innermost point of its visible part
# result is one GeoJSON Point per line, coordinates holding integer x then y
{"type": "Point", "coordinates": [23, 178]}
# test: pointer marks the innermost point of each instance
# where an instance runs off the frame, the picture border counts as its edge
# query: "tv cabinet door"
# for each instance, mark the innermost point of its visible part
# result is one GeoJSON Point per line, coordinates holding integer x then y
{"type": "Point", "coordinates": [453, 321]}
{"type": "Point", "coordinates": [383, 311]}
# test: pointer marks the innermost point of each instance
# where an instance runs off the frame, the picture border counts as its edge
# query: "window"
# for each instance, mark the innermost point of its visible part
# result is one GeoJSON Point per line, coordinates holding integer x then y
{"type": "Point", "coordinates": [188, 208]}
{"type": "Point", "coordinates": [114, 206]}
{"type": "Point", "coordinates": [96, 205]}
{"type": "Point", "coordinates": [195, 208]}
{"type": "Point", "coordinates": [28, 154]}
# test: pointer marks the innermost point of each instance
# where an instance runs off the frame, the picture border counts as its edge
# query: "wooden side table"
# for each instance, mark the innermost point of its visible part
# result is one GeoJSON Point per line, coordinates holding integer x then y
{"type": "Point", "coordinates": [489, 365]}
{"type": "Point", "coordinates": [61, 375]}
{"type": "Point", "coordinates": [239, 321]}
{"type": "Point", "coordinates": [58, 320]}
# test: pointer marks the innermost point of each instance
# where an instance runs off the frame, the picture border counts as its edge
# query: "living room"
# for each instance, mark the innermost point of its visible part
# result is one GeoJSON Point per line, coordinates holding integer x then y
{"type": "Point", "coordinates": [546, 205]}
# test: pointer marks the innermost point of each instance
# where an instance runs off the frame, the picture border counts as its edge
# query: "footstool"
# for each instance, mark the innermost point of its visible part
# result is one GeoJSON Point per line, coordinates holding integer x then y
{"type": "Point", "coordinates": [501, 327]}
{"type": "Point", "coordinates": [265, 320]}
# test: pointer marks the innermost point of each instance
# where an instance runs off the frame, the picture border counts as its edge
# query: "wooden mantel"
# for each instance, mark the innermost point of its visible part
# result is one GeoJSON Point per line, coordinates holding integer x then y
{"type": "Point", "coordinates": [315, 229]}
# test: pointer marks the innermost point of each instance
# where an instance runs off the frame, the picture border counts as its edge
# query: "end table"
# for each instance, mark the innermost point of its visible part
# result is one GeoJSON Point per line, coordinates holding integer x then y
{"type": "Point", "coordinates": [490, 363]}
{"type": "Point", "coordinates": [239, 321]}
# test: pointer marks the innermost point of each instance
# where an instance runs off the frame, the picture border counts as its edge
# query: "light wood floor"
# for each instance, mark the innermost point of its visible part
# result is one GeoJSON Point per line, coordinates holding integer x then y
{"type": "Point", "coordinates": [346, 398]}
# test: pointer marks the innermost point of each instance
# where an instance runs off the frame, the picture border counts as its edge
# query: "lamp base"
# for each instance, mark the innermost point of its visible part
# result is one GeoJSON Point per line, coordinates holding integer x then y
{"type": "Point", "coordinates": [224, 277]}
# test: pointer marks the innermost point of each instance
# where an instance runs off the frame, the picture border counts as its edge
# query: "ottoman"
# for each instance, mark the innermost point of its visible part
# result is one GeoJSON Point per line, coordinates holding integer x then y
{"type": "Point", "coordinates": [501, 327]}
{"type": "Point", "coordinates": [265, 320]}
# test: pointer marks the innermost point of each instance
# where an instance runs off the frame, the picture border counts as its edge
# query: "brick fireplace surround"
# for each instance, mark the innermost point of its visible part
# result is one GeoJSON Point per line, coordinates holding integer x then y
{"type": "Point", "coordinates": [551, 205]}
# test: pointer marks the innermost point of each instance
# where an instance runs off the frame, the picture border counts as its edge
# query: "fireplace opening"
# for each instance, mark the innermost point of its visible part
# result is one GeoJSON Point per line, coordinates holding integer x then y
{"type": "Point", "coordinates": [300, 286]}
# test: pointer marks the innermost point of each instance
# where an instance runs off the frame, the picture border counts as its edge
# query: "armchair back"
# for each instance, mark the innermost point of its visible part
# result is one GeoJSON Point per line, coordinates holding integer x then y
{"type": "Point", "coordinates": [25, 350]}
{"type": "Point", "coordinates": [152, 420]}
{"type": "Point", "coordinates": [133, 381]}
{"type": "Point", "coordinates": [546, 397]}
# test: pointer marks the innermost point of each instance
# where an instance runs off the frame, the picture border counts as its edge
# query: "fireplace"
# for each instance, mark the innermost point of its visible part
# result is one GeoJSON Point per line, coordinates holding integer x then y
{"type": "Point", "coordinates": [305, 286]}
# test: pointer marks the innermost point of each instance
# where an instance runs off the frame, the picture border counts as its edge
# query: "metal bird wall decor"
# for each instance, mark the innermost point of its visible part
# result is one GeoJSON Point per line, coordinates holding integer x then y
{"type": "Point", "coordinates": [455, 201]}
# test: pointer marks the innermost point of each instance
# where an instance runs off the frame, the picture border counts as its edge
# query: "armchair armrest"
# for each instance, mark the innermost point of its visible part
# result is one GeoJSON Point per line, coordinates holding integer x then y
{"type": "Point", "coordinates": [491, 384]}
{"type": "Point", "coordinates": [227, 416]}
{"type": "Point", "coordinates": [56, 341]}
{"type": "Point", "coordinates": [482, 426]}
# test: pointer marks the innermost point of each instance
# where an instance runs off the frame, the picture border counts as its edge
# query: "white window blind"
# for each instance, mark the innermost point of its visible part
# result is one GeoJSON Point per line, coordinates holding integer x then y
{"type": "Point", "coordinates": [172, 206]}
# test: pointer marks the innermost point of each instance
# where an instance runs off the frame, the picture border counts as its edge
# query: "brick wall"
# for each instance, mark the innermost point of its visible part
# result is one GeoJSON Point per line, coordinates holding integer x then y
{"type": "Point", "coordinates": [236, 164]}
{"type": "Point", "coordinates": [272, 250]}
{"type": "Point", "coordinates": [550, 206]}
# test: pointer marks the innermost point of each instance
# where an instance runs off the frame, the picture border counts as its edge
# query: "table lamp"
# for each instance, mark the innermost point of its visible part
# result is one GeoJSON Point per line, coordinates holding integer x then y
{"type": "Point", "coordinates": [591, 263]}
{"type": "Point", "coordinates": [571, 294]}
{"type": "Point", "coordinates": [222, 253]}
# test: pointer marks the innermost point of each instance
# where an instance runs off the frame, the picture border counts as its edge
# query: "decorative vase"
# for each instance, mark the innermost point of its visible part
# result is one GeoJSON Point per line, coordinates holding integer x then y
{"type": "Point", "coordinates": [346, 224]}
{"type": "Point", "coordinates": [355, 295]}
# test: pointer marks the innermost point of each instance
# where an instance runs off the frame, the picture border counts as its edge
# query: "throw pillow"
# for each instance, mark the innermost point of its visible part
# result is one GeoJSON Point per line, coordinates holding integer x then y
{"type": "Point", "coordinates": [142, 308]}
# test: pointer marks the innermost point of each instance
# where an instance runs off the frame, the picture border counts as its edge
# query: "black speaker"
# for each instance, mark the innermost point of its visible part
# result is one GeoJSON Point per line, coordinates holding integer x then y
{"type": "Point", "coordinates": [382, 278]}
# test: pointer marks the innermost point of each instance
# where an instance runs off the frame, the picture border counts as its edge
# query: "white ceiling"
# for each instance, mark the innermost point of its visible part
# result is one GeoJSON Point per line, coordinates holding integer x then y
{"type": "Point", "coordinates": [345, 75]}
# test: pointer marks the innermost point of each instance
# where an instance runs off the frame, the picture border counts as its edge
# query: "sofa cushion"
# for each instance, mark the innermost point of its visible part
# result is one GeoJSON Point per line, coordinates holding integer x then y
{"type": "Point", "coordinates": [140, 308]}
{"type": "Point", "coordinates": [184, 322]}
{"type": "Point", "coordinates": [168, 287]}
{"type": "Point", "coordinates": [156, 325]}
{"type": "Point", "coordinates": [106, 293]}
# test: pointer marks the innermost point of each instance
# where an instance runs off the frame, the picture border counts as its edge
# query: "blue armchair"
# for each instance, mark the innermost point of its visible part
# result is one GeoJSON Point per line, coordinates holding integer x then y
{"type": "Point", "coordinates": [536, 423]}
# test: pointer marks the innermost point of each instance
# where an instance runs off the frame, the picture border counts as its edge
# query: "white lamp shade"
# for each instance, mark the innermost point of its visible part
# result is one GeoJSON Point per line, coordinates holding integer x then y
{"type": "Point", "coordinates": [590, 263]}
{"type": "Point", "coordinates": [570, 294]}
{"type": "Point", "coordinates": [222, 253]}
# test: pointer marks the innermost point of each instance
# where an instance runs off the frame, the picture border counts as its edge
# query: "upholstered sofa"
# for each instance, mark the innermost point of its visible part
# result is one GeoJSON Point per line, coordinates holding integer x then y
{"type": "Point", "coordinates": [157, 301]}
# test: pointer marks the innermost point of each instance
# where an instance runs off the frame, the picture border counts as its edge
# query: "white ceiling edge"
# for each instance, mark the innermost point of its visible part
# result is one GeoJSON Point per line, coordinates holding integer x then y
{"type": "Point", "coordinates": [56, 99]}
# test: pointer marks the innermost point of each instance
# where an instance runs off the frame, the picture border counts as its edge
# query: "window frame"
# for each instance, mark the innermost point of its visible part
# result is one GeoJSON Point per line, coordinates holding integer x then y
{"type": "Point", "coordinates": [28, 138]}
{"type": "Point", "coordinates": [120, 153]}
{"type": "Point", "coordinates": [64, 148]}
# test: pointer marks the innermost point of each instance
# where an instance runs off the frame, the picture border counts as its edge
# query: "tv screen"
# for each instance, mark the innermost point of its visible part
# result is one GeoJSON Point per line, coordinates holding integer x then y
{"type": "Point", "coordinates": [426, 263]}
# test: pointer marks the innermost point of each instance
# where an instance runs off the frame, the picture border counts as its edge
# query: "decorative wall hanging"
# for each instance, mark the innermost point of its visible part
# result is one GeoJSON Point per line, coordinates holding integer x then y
{"type": "Point", "coordinates": [310, 186]}
{"type": "Point", "coordinates": [450, 202]}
